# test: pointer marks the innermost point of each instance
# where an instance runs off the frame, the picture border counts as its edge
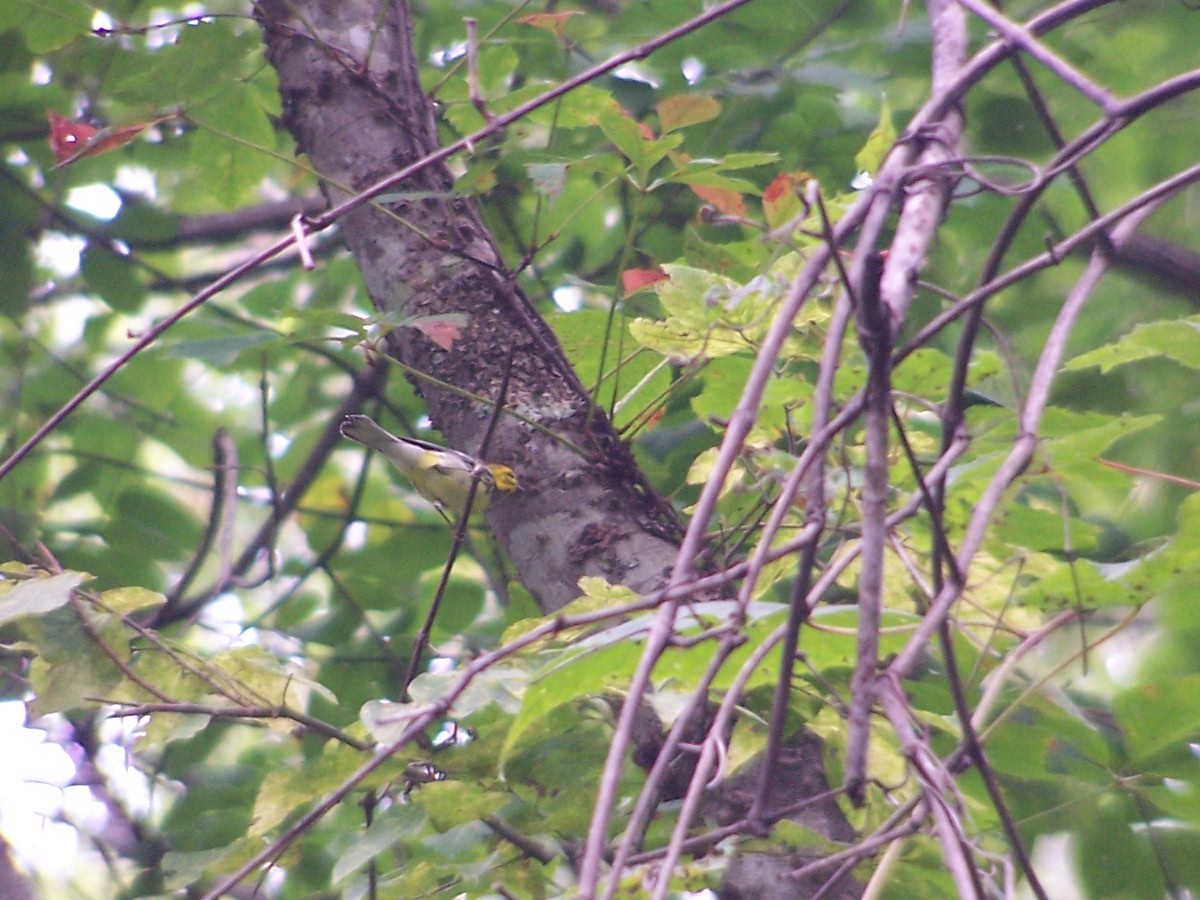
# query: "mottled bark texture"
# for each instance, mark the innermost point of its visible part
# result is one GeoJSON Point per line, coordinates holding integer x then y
{"type": "Point", "coordinates": [352, 100]}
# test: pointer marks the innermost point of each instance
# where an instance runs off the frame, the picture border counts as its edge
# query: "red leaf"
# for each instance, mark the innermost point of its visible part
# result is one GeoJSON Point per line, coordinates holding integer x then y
{"type": "Point", "coordinates": [635, 279]}
{"type": "Point", "coordinates": [441, 333]}
{"type": "Point", "coordinates": [782, 184]}
{"type": "Point", "coordinates": [67, 138]}
{"type": "Point", "coordinates": [442, 329]}
{"type": "Point", "coordinates": [74, 140]}
{"type": "Point", "coordinates": [781, 198]}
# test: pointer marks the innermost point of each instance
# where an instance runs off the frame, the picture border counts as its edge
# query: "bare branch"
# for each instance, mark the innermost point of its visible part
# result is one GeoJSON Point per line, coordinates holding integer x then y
{"type": "Point", "coordinates": [1018, 37]}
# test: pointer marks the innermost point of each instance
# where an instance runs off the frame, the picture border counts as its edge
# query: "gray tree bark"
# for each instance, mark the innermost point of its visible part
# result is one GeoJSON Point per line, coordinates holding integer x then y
{"type": "Point", "coordinates": [361, 117]}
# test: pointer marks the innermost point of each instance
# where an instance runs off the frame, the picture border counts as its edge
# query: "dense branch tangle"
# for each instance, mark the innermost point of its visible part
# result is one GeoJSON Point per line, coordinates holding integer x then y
{"type": "Point", "coordinates": [926, 191]}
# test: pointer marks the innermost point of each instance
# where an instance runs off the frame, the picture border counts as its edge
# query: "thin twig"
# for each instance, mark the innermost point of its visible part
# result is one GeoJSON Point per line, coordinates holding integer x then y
{"type": "Point", "coordinates": [219, 515]}
{"type": "Point", "coordinates": [1017, 36]}
{"type": "Point", "coordinates": [801, 603]}
{"type": "Point", "coordinates": [316, 725]}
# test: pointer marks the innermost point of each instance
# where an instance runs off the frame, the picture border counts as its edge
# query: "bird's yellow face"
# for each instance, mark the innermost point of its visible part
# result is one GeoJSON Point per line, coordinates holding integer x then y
{"type": "Point", "coordinates": [503, 478]}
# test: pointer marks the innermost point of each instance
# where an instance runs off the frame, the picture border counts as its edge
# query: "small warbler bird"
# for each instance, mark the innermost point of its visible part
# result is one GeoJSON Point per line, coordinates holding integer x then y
{"type": "Point", "coordinates": [441, 475]}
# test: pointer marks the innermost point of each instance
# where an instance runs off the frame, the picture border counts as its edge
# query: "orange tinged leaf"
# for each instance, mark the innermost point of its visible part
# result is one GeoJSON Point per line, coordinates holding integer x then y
{"type": "Point", "coordinates": [635, 279]}
{"type": "Point", "coordinates": [552, 22]}
{"type": "Point", "coordinates": [643, 129]}
{"type": "Point", "coordinates": [728, 202]}
{"type": "Point", "coordinates": [781, 184]}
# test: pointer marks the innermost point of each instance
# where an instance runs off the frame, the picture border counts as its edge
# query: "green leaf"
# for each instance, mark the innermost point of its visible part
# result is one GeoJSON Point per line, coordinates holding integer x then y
{"type": "Point", "coordinates": [18, 273]}
{"type": "Point", "coordinates": [233, 146]}
{"type": "Point", "coordinates": [221, 351]}
{"type": "Point", "coordinates": [548, 179]}
{"type": "Point", "coordinates": [72, 669]}
{"type": "Point", "coordinates": [287, 790]}
{"type": "Point", "coordinates": [1118, 862]}
{"type": "Point", "coordinates": [880, 141]}
{"type": "Point", "coordinates": [37, 594]}
{"type": "Point", "coordinates": [389, 828]}
{"type": "Point", "coordinates": [216, 812]}
{"type": "Point", "coordinates": [642, 151]}
{"type": "Point", "coordinates": [1073, 445]}
{"type": "Point", "coordinates": [450, 803]}
{"type": "Point", "coordinates": [462, 601]}
{"type": "Point", "coordinates": [47, 24]}
{"type": "Point", "coordinates": [1046, 741]}
{"type": "Point", "coordinates": [112, 277]}
{"type": "Point", "coordinates": [569, 677]}
{"type": "Point", "coordinates": [148, 521]}
{"type": "Point", "coordinates": [205, 62]}
{"type": "Point", "coordinates": [631, 380]}
{"type": "Point", "coordinates": [1163, 715]}
{"type": "Point", "coordinates": [1177, 340]}
{"type": "Point", "coordinates": [1083, 584]}
{"type": "Point", "coordinates": [585, 107]}
{"type": "Point", "coordinates": [1044, 530]}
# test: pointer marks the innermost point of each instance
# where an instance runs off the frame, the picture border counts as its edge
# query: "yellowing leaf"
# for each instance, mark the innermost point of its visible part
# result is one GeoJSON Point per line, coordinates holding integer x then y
{"type": "Point", "coordinates": [880, 141]}
{"type": "Point", "coordinates": [124, 600]}
{"type": "Point", "coordinates": [555, 23]}
{"type": "Point", "coordinates": [707, 315]}
{"type": "Point", "coordinates": [686, 109]}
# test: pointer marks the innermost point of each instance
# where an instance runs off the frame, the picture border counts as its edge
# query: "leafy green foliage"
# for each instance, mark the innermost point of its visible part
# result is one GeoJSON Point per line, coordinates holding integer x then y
{"type": "Point", "coordinates": [269, 677]}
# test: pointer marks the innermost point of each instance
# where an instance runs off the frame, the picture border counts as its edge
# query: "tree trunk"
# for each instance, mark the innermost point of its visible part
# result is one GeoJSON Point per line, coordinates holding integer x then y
{"type": "Point", "coordinates": [426, 253]}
